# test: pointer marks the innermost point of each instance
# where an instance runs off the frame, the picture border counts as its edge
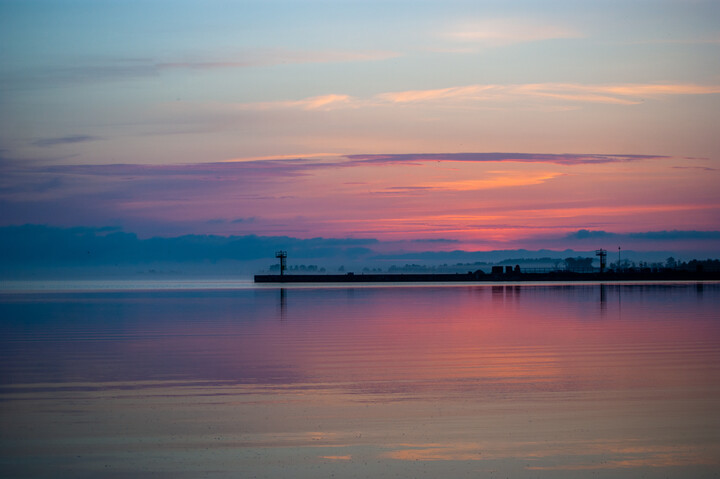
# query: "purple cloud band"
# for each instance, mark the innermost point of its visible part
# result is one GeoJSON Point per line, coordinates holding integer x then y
{"type": "Point", "coordinates": [560, 159]}
{"type": "Point", "coordinates": [200, 179]}
{"type": "Point", "coordinates": [672, 235]}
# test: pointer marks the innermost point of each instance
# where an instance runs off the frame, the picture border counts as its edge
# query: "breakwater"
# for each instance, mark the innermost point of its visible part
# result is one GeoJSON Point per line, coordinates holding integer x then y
{"type": "Point", "coordinates": [668, 275]}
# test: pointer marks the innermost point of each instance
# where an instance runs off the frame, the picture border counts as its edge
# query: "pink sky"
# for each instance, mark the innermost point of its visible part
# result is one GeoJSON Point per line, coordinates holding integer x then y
{"type": "Point", "coordinates": [300, 120]}
{"type": "Point", "coordinates": [480, 201]}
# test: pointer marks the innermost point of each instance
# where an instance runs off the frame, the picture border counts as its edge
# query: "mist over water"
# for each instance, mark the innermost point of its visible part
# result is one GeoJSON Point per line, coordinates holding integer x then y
{"type": "Point", "coordinates": [615, 380]}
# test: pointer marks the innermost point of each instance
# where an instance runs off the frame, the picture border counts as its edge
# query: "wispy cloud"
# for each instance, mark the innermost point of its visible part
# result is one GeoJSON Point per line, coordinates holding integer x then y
{"type": "Point", "coordinates": [411, 96]}
{"type": "Point", "coordinates": [323, 102]}
{"type": "Point", "coordinates": [142, 186]}
{"type": "Point", "coordinates": [495, 179]}
{"type": "Point", "coordinates": [283, 157]}
{"type": "Point", "coordinates": [621, 94]}
{"type": "Point", "coordinates": [270, 56]}
{"type": "Point", "coordinates": [497, 95]}
{"type": "Point", "coordinates": [703, 168]}
{"type": "Point", "coordinates": [131, 68]}
{"type": "Point", "coordinates": [507, 31]}
{"type": "Point", "coordinates": [64, 140]}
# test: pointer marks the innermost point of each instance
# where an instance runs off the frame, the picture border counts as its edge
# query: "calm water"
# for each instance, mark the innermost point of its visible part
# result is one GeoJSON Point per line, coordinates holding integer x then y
{"type": "Point", "coordinates": [546, 381]}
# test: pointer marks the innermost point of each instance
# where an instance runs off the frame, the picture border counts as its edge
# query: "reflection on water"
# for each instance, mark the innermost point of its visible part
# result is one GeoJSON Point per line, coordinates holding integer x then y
{"type": "Point", "coordinates": [462, 381]}
{"type": "Point", "coordinates": [283, 303]}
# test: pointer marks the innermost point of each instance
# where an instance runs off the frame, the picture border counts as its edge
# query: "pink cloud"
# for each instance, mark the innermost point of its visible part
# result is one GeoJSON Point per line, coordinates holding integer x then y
{"type": "Point", "coordinates": [463, 97]}
{"type": "Point", "coordinates": [507, 31]}
{"type": "Point", "coordinates": [623, 94]}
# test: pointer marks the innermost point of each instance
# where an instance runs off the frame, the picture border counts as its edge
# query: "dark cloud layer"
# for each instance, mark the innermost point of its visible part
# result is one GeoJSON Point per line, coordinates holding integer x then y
{"type": "Point", "coordinates": [672, 235]}
{"type": "Point", "coordinates": [29, 244]}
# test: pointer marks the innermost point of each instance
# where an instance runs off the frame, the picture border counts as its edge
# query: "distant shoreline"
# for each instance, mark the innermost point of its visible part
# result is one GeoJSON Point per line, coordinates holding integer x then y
{"type": "Point", "coordinates": [495, 277]}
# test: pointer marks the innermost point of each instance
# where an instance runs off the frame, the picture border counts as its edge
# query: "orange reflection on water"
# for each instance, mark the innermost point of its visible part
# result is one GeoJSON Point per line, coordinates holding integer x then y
{"type": "Point", "coordinates": [586, 455]}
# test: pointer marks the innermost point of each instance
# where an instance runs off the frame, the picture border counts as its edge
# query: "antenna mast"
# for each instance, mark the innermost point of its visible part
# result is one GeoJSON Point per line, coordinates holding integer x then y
{"type": "Point", "coordinates": [603, 257]}
{"type": "Point", "coordinates": [282, 255]}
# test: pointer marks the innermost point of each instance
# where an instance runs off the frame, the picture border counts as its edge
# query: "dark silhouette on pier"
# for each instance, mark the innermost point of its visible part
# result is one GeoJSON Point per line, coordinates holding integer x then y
{"type": "Point", "coordinates": [282, 255]}
{"type": "Point", "coordinates": [576, 271]}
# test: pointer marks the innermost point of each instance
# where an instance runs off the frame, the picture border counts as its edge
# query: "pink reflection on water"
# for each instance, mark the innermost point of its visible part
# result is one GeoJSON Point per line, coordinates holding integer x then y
{"type": "Point", "coordinates": [468, 379]}
{"type": "Point", "coordinates": [485, 338]}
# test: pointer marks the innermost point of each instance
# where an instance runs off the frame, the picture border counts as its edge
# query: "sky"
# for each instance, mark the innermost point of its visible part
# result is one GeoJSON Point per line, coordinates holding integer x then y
{"type": "Point", "coordinates": [423, 125]}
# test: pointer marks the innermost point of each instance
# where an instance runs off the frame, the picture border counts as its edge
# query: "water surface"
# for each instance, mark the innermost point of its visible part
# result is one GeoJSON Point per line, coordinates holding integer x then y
{"type": "Point", "coordinates": [565, 380]}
